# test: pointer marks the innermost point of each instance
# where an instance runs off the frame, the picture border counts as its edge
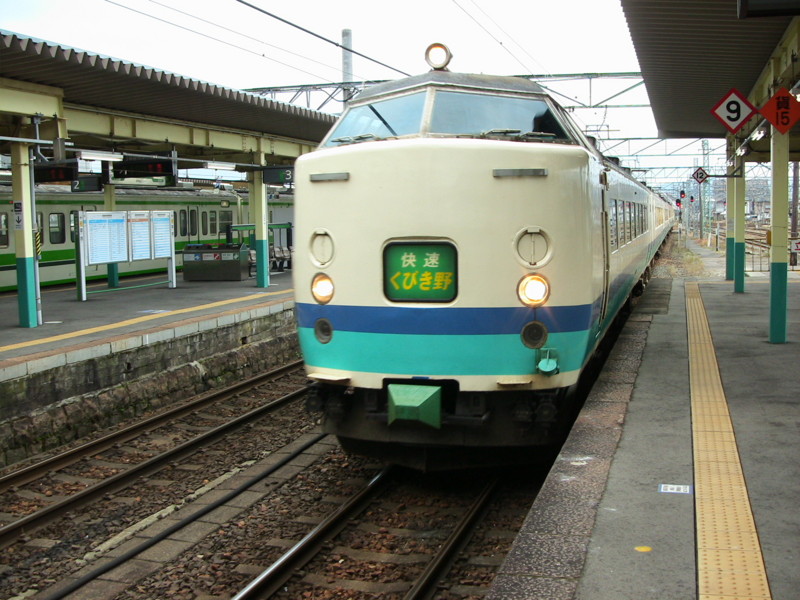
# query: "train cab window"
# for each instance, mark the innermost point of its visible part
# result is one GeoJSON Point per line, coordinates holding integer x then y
{"type": "Point", "coordinates": [57, 223]}
{"type": "Point", "coordinates": [204, 223]}
{"type": "Point", "coordinates": [212, 222]}
{"type": "Point", "coordinates": [393, 117]}
{"type": "Point", "coordinates": [463, 113]}
{"type": "Point", "coordinates": [225, 221]}
{"type": "Point", "coordinates": [3, 230]}
{"type": "Point", "coordinates": [193, 221]}
{"type": "Point", "coordinates": [183, 225]}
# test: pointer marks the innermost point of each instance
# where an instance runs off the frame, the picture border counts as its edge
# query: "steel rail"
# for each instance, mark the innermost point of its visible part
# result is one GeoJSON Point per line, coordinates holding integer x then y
{"type": "Point", "coordinates": [425, 585]}
{"type": "Point", "coordinates": [271, 580]}
{"type": "Point", "coordinates": [11, 532]}
{"type": "Point", "coordinates": [64, 459]}
{"type": "Point", "coordinates": [195, 516]}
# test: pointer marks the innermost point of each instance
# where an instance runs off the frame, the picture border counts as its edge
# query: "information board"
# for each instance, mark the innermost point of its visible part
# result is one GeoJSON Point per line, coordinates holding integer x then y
{"type": "Point", "coordinates": [140, 235]}
{"type": "Point", "coordinates": [163, 244]}
{"type": "Point", "coordinates": [106, 237]}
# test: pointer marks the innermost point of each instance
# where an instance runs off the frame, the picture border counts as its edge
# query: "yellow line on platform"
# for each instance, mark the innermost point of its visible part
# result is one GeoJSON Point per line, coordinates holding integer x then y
{"type": "Point", "coordinates": [729, 560]}
{"type": "Point", "coordinates": [143, 319]}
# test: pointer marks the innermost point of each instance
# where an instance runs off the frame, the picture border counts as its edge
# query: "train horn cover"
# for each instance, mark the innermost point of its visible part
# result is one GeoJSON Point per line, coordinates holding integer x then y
{"type": "Point", "coordinates": [438, 56]}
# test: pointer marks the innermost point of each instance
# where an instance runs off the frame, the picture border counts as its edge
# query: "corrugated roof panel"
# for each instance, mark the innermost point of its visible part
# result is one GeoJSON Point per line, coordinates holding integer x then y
{"type": "Point", "coordinates": [95, 80]}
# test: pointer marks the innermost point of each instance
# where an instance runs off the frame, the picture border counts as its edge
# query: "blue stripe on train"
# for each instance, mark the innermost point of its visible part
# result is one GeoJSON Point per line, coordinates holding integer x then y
{"type": "Point", "coordinates": [433, 320]}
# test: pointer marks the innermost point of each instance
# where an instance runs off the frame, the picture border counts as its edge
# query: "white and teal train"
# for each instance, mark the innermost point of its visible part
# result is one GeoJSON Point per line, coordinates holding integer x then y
{"type": "Point", "coordinates": [461, 250]}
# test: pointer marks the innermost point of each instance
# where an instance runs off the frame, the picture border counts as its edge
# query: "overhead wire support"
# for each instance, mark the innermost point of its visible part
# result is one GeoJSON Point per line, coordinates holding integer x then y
{"type": "Point", "coordinates": [323, 38]}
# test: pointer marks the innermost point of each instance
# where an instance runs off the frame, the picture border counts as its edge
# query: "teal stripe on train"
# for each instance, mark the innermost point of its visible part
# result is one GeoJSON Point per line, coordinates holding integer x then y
{"type": "Point", "coordinates": [439, 355]}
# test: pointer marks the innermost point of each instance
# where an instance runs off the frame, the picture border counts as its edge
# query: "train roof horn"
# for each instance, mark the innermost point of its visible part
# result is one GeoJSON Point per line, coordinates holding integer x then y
{"type": "Point", "coordinates": [438, 56]}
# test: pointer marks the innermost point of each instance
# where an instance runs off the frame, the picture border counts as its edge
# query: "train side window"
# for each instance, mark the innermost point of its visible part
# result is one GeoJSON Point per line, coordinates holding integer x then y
{"type": "Point", "coordinates": [204, 223]}
{"type": "Point", "coordinates": [225, 221]}
{"type": "Point", "coordinates": [3, 230]}
{"type": "Point", "coordinates": [184, 229]}
{"type": "Point", "coordinates": [193, 221]}
{"type": "Point", "coordinates": [58, 228]}
{"type": "Point", "coordinates": [635, 227]}
{"type": "Point", "coordinates": [612, 224]}
{"type": "Point", "coordinates": [212, 222]}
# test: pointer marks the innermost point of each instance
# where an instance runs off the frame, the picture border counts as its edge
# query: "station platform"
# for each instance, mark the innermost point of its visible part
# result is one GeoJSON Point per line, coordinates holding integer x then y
{"type": "Point", "coordinates": [680, 479]}
{"type": "Point", "coordinates": [68, 323]}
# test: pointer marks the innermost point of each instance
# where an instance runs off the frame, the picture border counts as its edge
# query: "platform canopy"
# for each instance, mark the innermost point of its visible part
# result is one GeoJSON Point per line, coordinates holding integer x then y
{"type": "Point", "coordinates": [693, 52]}
{"type": "Point", "coordinates": [102, 103]}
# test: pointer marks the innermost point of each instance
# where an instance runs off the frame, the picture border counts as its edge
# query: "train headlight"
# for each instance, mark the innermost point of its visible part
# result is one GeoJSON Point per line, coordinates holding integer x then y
{"type": "Point", "coordinates": [533, 290]}
{"type": "Point", "coordinates": [322, 288]}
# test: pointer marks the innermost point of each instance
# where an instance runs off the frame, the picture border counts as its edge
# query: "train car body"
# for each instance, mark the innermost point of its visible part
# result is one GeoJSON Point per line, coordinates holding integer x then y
{"type": "Point", "coordinates": [201, 217]}
{"type": "Point", "coordinates": [461, 250]}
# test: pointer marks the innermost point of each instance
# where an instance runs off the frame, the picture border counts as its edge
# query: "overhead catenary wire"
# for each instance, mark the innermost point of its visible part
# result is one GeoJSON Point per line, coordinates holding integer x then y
{"type": "Point", "coordinates": [221, 41]}
{"type": "Point", "coordinates": [318, 36]}
{"type": "Point", "coordinates": [249, 37]}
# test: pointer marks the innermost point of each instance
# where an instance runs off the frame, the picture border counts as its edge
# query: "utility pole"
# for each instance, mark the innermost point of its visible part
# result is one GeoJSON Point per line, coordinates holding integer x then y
{"type": "Point", "coordinates": [347, 64]}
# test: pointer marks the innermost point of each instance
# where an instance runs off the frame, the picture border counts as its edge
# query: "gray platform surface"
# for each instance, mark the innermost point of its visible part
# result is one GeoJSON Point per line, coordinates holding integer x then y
{"type": "Point", "coordinates": [603, 528]}
{"type": "Point", "coordinates": [68, 321]}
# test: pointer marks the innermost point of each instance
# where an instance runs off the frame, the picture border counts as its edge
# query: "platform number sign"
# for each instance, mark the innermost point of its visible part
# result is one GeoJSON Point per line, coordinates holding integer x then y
{"type": "Point", "coordinates": [734, 110]}
{"type": "Point", "coordinates": [782, 110]}
{"type": "Point", "coordinates": [700, 175]}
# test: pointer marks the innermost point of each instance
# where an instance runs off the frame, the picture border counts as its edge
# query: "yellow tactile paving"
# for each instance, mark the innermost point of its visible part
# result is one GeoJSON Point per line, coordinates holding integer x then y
{"type": "Point", "coordinates": [729, 561]}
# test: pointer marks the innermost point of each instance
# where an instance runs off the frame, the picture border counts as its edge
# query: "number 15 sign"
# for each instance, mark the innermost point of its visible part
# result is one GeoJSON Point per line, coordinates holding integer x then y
{"type": "Point", "coordinates": [733, 110]}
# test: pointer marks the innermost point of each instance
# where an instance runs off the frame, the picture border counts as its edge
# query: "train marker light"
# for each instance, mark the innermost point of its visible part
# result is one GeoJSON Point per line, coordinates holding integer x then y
{"type": "Point", "coordinates": [438, 56]}
{"type": "Point", "coordinates": [322, 288]}
{"type": "Point", "coordinates": [533, 290]}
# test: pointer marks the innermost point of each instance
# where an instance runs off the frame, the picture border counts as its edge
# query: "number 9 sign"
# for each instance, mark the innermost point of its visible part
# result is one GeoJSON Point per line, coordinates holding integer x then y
{"type": "Point", "coordinates": [733, 110]}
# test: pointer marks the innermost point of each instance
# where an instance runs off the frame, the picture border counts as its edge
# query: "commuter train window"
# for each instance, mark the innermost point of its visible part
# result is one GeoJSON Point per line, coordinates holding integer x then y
{"type": "Point", "coordinates": [393, 117]}
{"type": "Point", "coordinates": [204, 223]}
{"type": "Point", "coordinates": [225, 221]}
{"type": "Point", "coordinates": [3, 230]}
{"type": "Point", "coordinates": [212, 222]}
{"type": "Point", "coordinates": [193, 221]}
{"type": "Point", "coordinates": [473, 114]}
{"type": "Point", "coordinates": [184, 223]}
{"type": "Point", "coordinates": [58, 228]}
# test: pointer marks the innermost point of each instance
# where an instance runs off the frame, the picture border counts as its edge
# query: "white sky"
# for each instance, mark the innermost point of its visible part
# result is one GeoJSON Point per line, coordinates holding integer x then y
{"type": "Point", "coordinates": [228, 43]}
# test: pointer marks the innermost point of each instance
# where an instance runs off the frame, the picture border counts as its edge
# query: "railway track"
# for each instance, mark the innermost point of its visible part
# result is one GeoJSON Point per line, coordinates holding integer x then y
{"type": "Point", "coordinates": [66, 505]}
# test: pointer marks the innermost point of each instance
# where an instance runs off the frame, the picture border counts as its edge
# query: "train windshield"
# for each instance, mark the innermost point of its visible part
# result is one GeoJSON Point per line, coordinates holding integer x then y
{"type": "Point", "coordinates": [523, 118]}
{"type": "Point", "coordinates": [460, 113]}
{"type": "Point", "coordinates": [394, 117]}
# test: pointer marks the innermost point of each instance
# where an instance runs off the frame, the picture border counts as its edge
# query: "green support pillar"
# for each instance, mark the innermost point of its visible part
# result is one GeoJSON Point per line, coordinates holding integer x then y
{"type": "Point", "coordinates": [260, 215]}
{"type": "Point", "coordinates": [779, 248]}
{"type": "Point", "coordinates": [738, 226]}
{"type": "Point", "coordinates": [24, 223]}
{"type": "Point", "coordinates": [729, 207]}
{"type": "Point", "coordinates": [112, 269]}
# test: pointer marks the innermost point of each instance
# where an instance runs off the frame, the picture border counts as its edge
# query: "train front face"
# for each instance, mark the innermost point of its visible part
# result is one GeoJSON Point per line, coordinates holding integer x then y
{"type": "Point", "coordinates": [444, 272]}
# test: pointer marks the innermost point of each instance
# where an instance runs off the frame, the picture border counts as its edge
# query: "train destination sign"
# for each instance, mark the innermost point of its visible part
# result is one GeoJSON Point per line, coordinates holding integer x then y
{"type": "Point", "coordinates": [424, 272]}
{"type": "Point", "coordinates": [734, 110]}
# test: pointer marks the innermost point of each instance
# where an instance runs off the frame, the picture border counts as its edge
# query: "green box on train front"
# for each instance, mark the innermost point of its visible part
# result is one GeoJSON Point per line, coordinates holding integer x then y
{"type": "Point", "coordinates": [421, 403]}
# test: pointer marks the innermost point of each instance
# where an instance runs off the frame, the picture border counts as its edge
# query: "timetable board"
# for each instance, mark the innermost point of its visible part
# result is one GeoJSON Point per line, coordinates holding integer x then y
{"type": "Point", "coordinates": [126, 236]}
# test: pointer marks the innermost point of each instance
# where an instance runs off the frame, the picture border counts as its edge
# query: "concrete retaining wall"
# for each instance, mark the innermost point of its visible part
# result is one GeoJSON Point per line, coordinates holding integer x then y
{"type": "Point", "coordinates": [57, 397]}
